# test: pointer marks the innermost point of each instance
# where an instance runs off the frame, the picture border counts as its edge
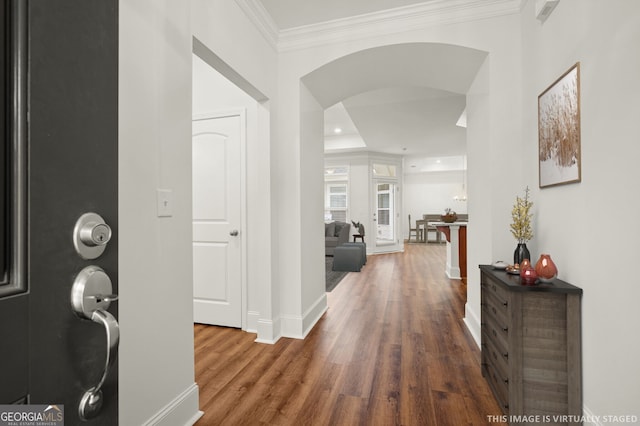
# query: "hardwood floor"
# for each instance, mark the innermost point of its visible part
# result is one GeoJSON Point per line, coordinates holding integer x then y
{"type": "Point", "coordinates": [391, 350]}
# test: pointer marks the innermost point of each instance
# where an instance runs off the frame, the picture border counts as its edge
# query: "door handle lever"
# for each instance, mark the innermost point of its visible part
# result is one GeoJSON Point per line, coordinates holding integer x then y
{"type": "Point", "coordinates": [91, 296]}
{"type": "Point", "coordinates": [92, 400]}
{"type": "Point", "coordinates": [234, 233]}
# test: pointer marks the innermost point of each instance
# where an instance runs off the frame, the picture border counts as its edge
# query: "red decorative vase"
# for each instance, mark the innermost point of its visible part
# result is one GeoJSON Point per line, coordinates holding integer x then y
{"type": "Point", "coordinates": [528, 274]}
{"type": "Point", "coordinates": [546, 269]}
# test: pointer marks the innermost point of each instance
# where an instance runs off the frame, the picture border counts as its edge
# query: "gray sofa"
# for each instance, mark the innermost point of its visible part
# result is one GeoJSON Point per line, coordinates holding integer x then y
{"type": "Point", "coordinates": [335, 234]}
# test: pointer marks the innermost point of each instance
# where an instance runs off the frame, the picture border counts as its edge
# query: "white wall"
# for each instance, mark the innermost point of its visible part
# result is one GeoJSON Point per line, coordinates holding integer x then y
{"type": "Point", "coordinates": [313, 302]}
{"type": "Point", "coordinates": [223, 27]}
{"type": "Point", "coordinates": [480, 245]}
{"type": "Point", "coordinates": [156, 353]}
{"type": "Point", "coordinates": [571, 220]}
{"type": "Point", "coordinates": [431, 193]}
{"type": "Point", "coordinates": [156, 364]}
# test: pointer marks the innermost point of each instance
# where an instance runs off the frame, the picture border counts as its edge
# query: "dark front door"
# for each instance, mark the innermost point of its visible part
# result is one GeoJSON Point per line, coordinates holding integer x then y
{"type": "Point", "coordinates": [60, 162]}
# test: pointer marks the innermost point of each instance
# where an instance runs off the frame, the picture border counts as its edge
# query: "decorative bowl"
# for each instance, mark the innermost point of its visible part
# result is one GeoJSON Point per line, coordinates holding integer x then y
{"type": "Point", "coordinates": [500, 264]}
{"type": "Point", "coordinates": [449, 218]}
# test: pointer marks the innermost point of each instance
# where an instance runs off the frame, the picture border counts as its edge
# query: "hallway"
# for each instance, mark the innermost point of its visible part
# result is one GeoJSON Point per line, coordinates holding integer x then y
{"type": "Point", "coordinates": [392, 349]}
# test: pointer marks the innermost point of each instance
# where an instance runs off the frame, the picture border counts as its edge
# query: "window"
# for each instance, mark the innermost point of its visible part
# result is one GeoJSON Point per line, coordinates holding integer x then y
{"type": "Point", "coordinates": [336, 202]}
{"type": "Point", "coordinates": [384, 170]}
{"type": "Point", "coordinates": [336, 171]}
{"type": "Point", "coordinates": [336, 190]}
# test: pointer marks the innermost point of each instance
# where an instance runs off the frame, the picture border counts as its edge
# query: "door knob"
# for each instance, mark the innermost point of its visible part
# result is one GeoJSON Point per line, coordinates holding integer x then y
{"type": "Point", "coordinates": [91, 295]}
{"type": "Point", "coordinates": [91, 235]}
{"type": "Point", "coordinates": [234, 233]}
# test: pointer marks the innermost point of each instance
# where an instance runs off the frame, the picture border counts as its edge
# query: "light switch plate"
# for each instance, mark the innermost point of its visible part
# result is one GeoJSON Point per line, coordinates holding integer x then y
{"type": "Point", "coordinates": [165, 202]}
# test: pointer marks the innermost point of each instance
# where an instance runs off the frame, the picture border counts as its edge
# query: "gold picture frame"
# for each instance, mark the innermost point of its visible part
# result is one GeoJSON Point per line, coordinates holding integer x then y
{"type": "Point", "coordinates": [559, 131]}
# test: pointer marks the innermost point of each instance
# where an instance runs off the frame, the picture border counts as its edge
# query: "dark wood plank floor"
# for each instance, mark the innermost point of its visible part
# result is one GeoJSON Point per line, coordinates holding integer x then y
{"type": "Point", "coordinates": [391, 350]}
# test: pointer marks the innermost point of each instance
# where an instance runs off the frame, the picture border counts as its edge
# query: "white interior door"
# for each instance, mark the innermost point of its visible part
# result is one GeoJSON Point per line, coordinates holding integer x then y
{"type": "Point", "coordinates": [217, 219]}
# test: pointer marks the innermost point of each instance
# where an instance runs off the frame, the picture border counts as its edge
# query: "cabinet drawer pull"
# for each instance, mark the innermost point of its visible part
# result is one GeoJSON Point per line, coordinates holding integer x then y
{"type": "Point", "coordinates": [505, 303]}
{"type": "Point", "coordinates": [505, 329]}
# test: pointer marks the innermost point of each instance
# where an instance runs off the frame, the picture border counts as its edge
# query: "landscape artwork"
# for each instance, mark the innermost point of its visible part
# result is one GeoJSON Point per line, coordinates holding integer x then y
{"type": "Point", "coordinates": [559, 130]}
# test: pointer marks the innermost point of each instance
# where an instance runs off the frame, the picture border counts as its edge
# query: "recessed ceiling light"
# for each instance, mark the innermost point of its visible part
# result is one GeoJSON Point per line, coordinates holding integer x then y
{"type": "Point", "coordinates": [438, 161]}
{"type": "Point", "coordinates": [337, 130]}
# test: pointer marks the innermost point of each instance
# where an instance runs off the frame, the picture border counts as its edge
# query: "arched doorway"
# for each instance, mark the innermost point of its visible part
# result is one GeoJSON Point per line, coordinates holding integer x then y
{"type": "Point", "coordinates": [444, 70]}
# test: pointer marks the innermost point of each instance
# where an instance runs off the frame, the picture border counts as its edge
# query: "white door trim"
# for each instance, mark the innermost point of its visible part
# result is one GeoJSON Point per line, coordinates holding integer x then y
{"type": "Point", "coordinates": [240, 112]}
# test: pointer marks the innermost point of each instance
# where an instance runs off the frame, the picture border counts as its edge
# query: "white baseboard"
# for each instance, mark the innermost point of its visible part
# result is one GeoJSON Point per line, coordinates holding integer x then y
{"type": "Point", "coordinates": [314, 313]}
{"type": "Point", "coordinates": [472, 322]}
{"type": "Point", "coordinates": [183, 410]}
{"type": "Point", "coordinates": [589, 418]}
{"type": "Point", "coordinates": [267, 331]}
{"type": "Point", "coordinates": [298, 326]}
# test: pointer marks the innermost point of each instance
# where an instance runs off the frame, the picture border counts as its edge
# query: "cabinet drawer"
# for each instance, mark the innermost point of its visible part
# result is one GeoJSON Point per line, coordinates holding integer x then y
{"type": "Point", "coordinates": [499, 358]}
{"type": "Point", "coordinates": [496, 307]}
{"type": "Point", "coordinates": [499, 385]}
{"type": "Point", "coordinates": [495, 288]}
{"type": "Point", "coordinates": [498, 332]}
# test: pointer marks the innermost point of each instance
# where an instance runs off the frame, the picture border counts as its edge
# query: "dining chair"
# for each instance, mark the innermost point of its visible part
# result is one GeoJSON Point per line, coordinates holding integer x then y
{"type": "Point", "coordinates": [415, 230]}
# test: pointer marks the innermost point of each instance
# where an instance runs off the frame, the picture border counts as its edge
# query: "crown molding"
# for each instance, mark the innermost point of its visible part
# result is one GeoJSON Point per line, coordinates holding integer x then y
{"type": "Point", "coordinates": [396, 20]}
{"type": "Point", "coordinates": [392, 21]}
{"type": "Point", "coordinates": [258, 15]}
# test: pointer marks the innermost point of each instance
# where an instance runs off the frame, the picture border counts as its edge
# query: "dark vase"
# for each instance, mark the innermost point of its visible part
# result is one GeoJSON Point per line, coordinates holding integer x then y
{"type": "Point", "coordinates": [521, 253]}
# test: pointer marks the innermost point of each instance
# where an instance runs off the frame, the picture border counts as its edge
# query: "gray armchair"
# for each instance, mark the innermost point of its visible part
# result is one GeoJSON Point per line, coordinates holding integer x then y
{"type": "Point", "coordinates": [335, 234]}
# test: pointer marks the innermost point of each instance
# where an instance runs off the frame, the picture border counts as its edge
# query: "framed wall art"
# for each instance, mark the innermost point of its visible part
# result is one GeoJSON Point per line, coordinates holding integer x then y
{"type": "Point", "coordinates": [559, 130]}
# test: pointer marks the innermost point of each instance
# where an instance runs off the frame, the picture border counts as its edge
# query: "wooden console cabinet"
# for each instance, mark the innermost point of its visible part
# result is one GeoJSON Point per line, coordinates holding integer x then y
{"type": "Point", "coordinates": [531, 346]}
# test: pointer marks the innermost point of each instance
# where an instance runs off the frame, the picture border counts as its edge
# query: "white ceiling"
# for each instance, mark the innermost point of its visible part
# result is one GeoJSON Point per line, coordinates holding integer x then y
{"type": "Point", "coordinates": [410, 110]}
{"type": "Point", "coordinates": [398, 120]}
{"type": "Point", "coordinates": [296, 13]}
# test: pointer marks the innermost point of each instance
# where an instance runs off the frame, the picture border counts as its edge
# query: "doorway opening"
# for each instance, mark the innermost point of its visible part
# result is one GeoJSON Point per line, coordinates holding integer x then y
{"type": "Point", "coordinates": [404, 100]}
{"type": "Point", "coordinates": [230, 131]}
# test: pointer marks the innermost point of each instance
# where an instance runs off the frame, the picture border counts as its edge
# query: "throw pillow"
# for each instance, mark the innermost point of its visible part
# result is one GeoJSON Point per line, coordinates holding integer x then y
{"type": "Point", "coordinates": [329, 229]}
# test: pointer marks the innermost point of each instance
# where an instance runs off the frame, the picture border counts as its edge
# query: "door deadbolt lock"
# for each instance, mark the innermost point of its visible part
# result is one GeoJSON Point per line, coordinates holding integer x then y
{"type": "Point", "coordinates": [91, 235]}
